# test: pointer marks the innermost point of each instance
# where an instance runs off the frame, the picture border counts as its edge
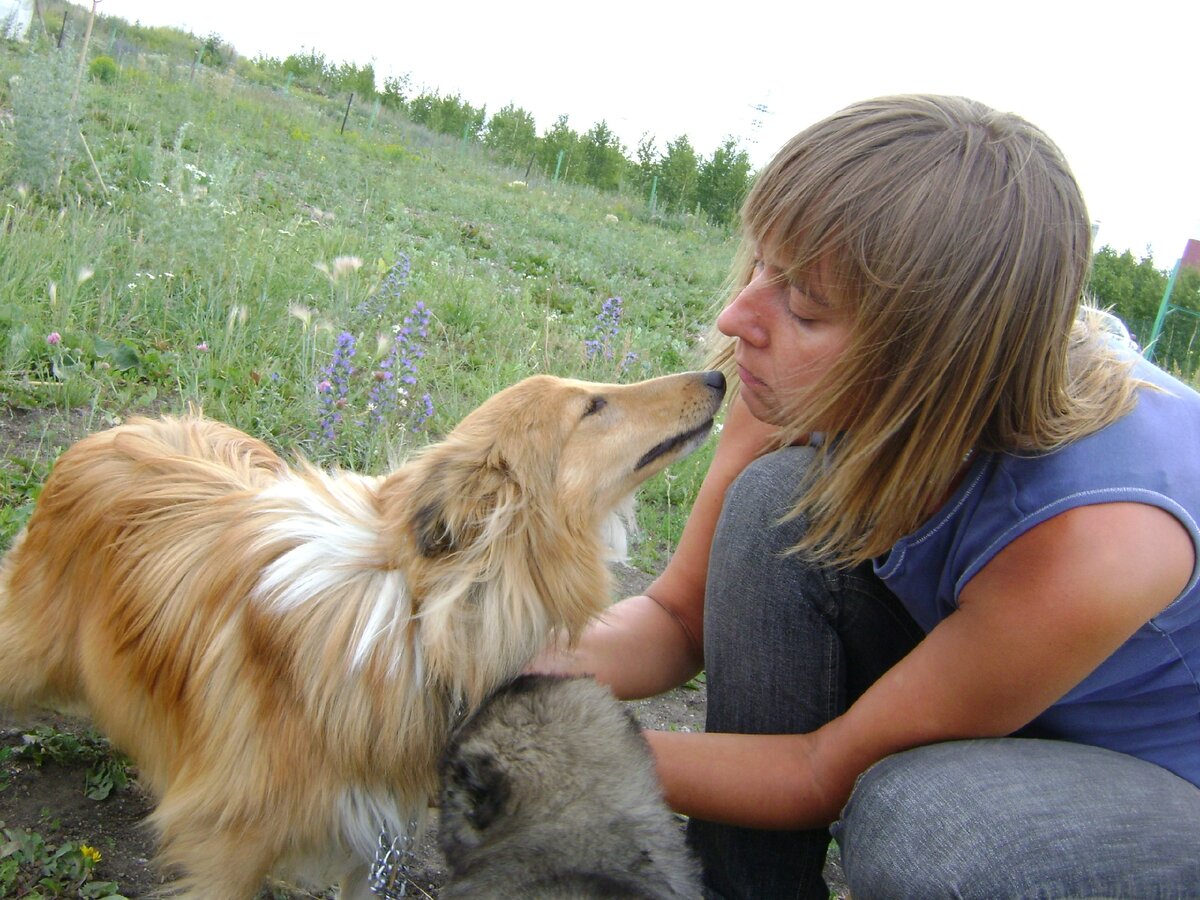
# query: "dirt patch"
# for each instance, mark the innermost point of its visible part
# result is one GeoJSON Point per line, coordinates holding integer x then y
{"type": "Point", "coordinates": [38, 435]}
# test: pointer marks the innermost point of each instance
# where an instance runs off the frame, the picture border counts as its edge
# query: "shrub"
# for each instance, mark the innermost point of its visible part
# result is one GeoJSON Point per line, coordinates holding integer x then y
{"type": "Point", "coordinates": [103, 69]}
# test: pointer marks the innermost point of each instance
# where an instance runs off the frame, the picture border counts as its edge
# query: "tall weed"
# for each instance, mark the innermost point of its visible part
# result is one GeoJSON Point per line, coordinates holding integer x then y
{"type": "Point", "coordinates": [45, 126]}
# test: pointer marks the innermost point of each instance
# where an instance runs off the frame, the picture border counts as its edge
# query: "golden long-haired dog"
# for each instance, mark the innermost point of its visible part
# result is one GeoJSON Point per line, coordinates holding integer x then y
{"type": "Point", "coordinates": [283, 651]}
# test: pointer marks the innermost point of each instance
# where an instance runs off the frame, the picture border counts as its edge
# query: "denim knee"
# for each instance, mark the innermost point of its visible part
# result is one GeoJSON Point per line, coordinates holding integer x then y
{"type": "Point", "coordinates": [1020, 818]}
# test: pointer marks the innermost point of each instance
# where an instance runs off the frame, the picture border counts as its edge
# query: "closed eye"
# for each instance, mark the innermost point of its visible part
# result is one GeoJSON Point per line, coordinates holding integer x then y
{"type": "Point", "coordinates": [594, 406]}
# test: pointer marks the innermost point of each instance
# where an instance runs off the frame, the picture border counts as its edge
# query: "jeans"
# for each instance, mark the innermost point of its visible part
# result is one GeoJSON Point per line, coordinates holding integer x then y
{"type": "Point", "coordinates": [789, 645]}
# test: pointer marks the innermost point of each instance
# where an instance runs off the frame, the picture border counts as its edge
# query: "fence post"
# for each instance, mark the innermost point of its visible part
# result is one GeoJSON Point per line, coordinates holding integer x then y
{"type": "Point", "coordinates": [558, 165]}
{"type": "Point", "coordinates": [347, 113]}
{"type": "Point", "coordinates": [653, 195]}
{"type": "Point", "coordinates": [1162, 313]}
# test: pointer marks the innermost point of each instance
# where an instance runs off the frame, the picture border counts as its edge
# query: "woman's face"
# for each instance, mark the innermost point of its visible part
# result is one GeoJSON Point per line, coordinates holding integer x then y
{"type": "Point", "coordinates": [788, 336]}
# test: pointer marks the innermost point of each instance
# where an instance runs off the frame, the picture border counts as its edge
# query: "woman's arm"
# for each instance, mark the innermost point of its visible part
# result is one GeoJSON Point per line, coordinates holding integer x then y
{"type": "Point", "coordinates": [1032, 624]}
{"type": "Point", "coordinates": [648, 644]}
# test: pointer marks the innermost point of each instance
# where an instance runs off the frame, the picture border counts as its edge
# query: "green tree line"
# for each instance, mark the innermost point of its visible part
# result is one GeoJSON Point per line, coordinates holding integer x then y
{"type": "Point", "coordinates": [675, 180]}
{"type": "Point", "coordinates": [1133, 289]}
{"type": "Point", "coordinates": [678, 179]}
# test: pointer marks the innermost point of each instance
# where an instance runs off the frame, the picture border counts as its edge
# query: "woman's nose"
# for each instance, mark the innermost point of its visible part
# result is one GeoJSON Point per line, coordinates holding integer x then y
{"type": "Point", "coordinates": [742, 318]}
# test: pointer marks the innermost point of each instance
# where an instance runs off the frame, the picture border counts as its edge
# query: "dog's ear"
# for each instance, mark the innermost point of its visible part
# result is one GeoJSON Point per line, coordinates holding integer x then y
{"type": "Point", "coordinates": [456, 501]}
{"type": "Point", "coordinates": [485, 787]}
{"type": "Point", "coordinates": [432, 532]}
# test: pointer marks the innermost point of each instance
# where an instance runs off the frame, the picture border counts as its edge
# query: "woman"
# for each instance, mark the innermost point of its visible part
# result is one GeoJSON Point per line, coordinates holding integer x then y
{"type": "Point", "coordinates": [942, 571]}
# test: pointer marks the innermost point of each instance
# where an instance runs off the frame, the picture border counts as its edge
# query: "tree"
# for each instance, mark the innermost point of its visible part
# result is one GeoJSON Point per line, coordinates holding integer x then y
{"type": "Point", "coordinates": [604, 159]}
{"type": "Point", "coordinates": [395, 90]}
{"type": "Point", "coordinates": [447, 115]}
{"type": "Point", "coordinates": [512, 134]}
{"type": "Point", "coordinates": [1132, 288]}
{"type": "Point", "coordinates": [560, 138]}
{"type": "Point", "coordinates": [722, 182]}
{"type": "Point", "coordinates": [348, 77]}
{"type": "Point", "coordinates": [677, 175]}
{"type": "Point", "coordinates": [645, 168]}
{"type": "Point", "coordinates": [216, 53]}
{"type": "Point", "coordinates": [456, 116]}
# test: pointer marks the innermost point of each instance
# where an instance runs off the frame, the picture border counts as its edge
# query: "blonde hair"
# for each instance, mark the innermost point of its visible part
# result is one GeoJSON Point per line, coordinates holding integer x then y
{"type": "Point", "coordinates": [959, 240]}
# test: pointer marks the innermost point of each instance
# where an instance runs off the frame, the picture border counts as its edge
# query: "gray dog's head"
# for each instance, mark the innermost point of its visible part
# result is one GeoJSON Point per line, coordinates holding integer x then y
{"type": "Point", "coordinates": [549, 790]}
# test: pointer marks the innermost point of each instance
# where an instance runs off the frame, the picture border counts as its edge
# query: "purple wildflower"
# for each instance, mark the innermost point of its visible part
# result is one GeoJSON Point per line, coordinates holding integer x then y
{"type": "Point", "coordinates": [396, 376]}
{"type": "Point", "coordinates": [333, 390]}
{"type": "Point", "coordinates": [390, 291]}
{"type": "Point", "coordinates": [54, 339]}
{"type": "Point", "coordinates": [606, 329]}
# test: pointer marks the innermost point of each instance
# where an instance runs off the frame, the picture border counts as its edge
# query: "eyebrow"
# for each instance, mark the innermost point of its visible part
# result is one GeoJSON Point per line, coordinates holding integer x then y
{"type": "Point", "coordinates": [812, 294]}
{"type": "Point", "coordinates": [806, 286]}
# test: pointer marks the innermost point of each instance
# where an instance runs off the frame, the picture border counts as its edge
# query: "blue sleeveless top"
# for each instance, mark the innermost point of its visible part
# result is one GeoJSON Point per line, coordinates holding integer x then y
{"type": "Point", "coordinates": [1144, 699]}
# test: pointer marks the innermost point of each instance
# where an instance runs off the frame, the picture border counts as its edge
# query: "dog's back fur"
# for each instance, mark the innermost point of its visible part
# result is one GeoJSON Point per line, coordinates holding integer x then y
{"type": "Point", "coordinates": [283, 651]}
{"type": "Point", "coordinates": [549, 791]}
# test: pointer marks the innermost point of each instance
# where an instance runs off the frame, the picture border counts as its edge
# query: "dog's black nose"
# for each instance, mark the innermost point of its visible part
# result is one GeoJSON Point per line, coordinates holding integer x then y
{"type": "Point", "coordinates": [715, 380]}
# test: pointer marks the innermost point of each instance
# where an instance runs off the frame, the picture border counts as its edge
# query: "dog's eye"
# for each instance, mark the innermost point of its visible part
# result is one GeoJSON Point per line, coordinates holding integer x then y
{"type": "Point", "coordinates": [594, 406]}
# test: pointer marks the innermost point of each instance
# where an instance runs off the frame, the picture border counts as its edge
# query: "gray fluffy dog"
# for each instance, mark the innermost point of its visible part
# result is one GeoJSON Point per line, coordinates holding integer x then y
{"type": "Point", "coordinates": [549, 791]}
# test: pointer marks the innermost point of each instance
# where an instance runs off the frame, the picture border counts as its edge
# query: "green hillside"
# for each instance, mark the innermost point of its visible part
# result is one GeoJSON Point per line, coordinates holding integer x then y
{"type": "Point", "coordinates": [183, 226]}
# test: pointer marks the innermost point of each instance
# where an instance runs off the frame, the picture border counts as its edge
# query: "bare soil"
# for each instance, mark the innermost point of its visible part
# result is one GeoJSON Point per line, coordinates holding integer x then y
{"type": "Point", "coordinates": [51, 800]}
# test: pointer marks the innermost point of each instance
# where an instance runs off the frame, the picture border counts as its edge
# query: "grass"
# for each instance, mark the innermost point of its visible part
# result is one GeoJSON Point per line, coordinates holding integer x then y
{"type": "Point", "coordinates": [202, 258]}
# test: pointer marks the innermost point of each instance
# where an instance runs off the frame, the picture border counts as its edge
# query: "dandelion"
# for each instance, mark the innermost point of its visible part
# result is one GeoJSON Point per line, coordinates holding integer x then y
{"type": "Point", "coordinates": [91, 854]}
{"type": "Point", "coordinates": [54, 339]}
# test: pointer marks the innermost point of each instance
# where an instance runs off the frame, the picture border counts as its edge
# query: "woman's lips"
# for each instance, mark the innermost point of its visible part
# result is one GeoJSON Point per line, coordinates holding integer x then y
{"type": "Point", "coordinates": [747, 378]}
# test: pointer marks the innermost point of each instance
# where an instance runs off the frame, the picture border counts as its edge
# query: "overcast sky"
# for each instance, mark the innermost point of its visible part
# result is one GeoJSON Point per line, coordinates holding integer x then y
{"type": "Point", "coordinates": [1117, 86]}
